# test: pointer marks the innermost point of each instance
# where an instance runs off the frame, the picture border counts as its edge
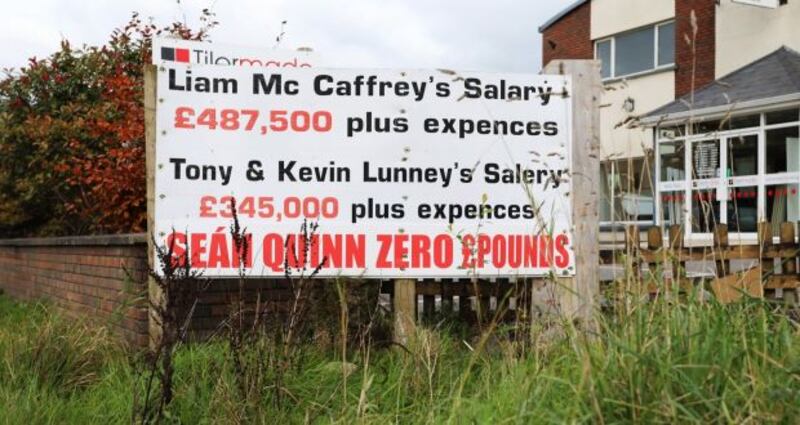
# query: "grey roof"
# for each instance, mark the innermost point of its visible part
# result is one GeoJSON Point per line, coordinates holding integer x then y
{"type": "Point", "coordinates": [773, 76]}
{"type": "Point", "coordinates": [561, 14]}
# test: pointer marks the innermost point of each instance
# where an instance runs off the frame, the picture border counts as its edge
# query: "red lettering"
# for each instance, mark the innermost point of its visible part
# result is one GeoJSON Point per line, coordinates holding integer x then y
{"type": "Point", "coordinates": [332, 250]}
{"type": "Point", "coordinates": [356, 251]}
{"type": "Point", "coordinates": [420, 251]}
{"type": "Point", "coordinates": [295, 251]}
{"type": "Point", "coordinates": [545, 251]}
{"type": "Point", "coordinates": [515, 251]}
{"type": "Point", "coordinates": [484, 249]}
{"type": "Point", "coordinates": [499, 251]}
{"type": "Point", "coordinates": [218, 255]}
{"type": "Point", "coordinates": [562, 260]}
{"type": "Point", "coordinates": [467, 260]}
{"type": "Point", "coordinates": [443, 251]}
{"type": "Point", "coordinates": [237, 254]}
{"type": "Point", "coordinates": [385, 242]}
{"type": "Point", "coordinates": [531, 251]}
{"type": "Point", "coordinates": [198, 249]}
{"type": "Point", "coordinates": [316, 258]}
{"type": "Point", "coordinates": [272, 252]}
{"type": "Point", "coordinates": [401, 251]}
{"type": "Point", "coordinates": [176, 242]}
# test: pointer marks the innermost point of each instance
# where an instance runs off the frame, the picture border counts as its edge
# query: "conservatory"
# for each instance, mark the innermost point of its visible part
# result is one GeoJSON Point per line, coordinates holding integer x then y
{"type": "Point", "coordinates": [730, 154]}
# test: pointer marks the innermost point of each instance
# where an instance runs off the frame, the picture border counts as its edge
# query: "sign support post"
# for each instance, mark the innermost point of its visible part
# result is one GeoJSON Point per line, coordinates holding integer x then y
{"type": "Point", "coordinates": [154, 294]}
{"type": "Point", "coordinates": [404, 302]}
{"type": "Point", "coordinates": [578, 295]}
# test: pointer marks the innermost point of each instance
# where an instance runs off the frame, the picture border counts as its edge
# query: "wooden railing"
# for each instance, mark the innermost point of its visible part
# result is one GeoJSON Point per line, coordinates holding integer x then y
{"type": "Point", "coordinates": [773, 263]}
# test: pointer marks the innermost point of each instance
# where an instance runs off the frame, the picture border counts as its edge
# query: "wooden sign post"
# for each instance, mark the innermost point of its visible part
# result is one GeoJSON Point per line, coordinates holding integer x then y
{"type": "Point", "coordinates": [404, 302]}
{"type": "Point", "coordinates": [578, 296]}
{"type": "Point", "coordinates": [154, 294]}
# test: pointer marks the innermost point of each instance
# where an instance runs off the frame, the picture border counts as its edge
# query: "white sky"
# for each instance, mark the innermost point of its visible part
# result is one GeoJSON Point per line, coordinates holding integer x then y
{"type": "Point", "coordinates": [485, 35]}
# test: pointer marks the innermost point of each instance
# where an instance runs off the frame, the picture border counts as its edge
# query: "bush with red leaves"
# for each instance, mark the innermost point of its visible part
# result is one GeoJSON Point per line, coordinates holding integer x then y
{"type": "Point", "coordinates": [72, 136]}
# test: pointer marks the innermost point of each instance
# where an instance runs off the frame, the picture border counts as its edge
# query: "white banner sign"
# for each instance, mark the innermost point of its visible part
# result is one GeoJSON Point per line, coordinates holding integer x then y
{"type": "Point", "coordinates": [772, 4]}
{"type": "Point", "coordinates": [406, 173]}
{"type": "Point", "coordinates": [168, 51]}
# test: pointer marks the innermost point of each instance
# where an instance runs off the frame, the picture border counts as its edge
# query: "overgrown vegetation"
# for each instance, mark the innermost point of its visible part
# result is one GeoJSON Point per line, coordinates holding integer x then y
{"type": "Point", "coordinates": [72, 136]}
{"type": "Point", "coordinates": [688, 362]}
{"type": "Point", "coordinates": [72, 122]}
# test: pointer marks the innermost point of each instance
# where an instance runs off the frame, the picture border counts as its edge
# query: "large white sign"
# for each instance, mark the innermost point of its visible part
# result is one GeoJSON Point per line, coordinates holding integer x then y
{"type": "Point", "coordinates": [168, 51]}
{"type": "Point", "coordinates": [772, 4]}
{"type": "Point", "coordinates": [407, 173]}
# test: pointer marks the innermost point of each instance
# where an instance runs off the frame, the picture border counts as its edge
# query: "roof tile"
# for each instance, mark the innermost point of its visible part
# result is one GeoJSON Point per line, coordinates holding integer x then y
{"type": "Point", "coordinates": [774, 75]}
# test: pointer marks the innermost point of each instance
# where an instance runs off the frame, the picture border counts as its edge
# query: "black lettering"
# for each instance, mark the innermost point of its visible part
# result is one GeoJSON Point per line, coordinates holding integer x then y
{"type": "Point", "coordinates": [472, 88]}
{"type": "Point", "coordinates": [275, 85]}
{"type": "Point", "coordinates": [550, 128]}
{"type": "Point", "coordinates": [178, 162]}
{"type": "Point", "coordinates": [534, 128]}
{"type": "Point", "coordinates": [492, 173]}
{"type": "Point", "coordinates": [285, 171]}
{"type": "Point", "coordinates": [318, 85]}
{"type": "Point", "coordinates": [442, 89]}
{"type": "Point", "coordinates": [449, 125]}
{"type": "Point", "coordinates": [431, 125]}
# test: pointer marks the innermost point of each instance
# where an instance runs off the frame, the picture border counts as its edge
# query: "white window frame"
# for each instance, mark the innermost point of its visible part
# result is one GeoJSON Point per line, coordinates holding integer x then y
{"type": "Point", "coordinates": [613, 39]}
{"type": "Point", "coordinates": [612, 54]}
{"type": "Point", "coordinates": [655, 50]}
{"type": "Point", "coordinates": [761, 180]}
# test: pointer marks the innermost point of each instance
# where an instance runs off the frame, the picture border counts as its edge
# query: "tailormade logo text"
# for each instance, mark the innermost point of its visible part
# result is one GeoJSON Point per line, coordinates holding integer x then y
{"type": "Point", "coordinates": [208, 57]}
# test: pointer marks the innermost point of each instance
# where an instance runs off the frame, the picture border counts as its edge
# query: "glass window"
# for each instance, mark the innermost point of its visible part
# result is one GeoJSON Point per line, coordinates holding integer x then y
{"type": "Point", "coordinates": [673, 165]}
{"type": "Point", "coordinates": [742, 121]}
{"type": "Point", "coordinates": [634, 195]}
{"type": "Point", "coordinates": [634, 52]}
{"type": "Point", "coordinates": [604, 55]}
{"type": "Point", "coordinates": [666, 44]}
{"type": "Point", "coordinates": [783, 150]}
{"type": "Point", "coordinates": [707, 127]}
{"type": "Point", "coordinates": [783, 205]}
{"type": "Point", "coordinates": [705, 159]}
{"type": "Point", "coordinates": [672, 132]}
{"type": "Point", "coordinates": [743, 209]}
{"type": "Point", "coordinates": [637, 51]}
{"type": "Point", "coordinates": [605, 193]}
{"type": "Point", "coordinates": [742, 156]}
{"type": "Point", "coordinates": [780, 117]}
{"type": "Point", "coordinates": [705, 210]}
{"type": "Point", "coordinates": [673, 208]}
{"type": "Point", "coordinates": [732, 123]}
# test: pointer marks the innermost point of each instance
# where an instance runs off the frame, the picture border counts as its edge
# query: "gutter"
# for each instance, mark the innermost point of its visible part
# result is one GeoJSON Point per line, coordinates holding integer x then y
{"type": "Point", "coordinates": [561, 14]}
{"type": "Point", "coordinates": [738, 107]}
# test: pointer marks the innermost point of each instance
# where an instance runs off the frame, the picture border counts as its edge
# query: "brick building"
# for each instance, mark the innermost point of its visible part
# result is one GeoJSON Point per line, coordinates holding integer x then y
{"type": "Point", "coordinates": [658, 56]}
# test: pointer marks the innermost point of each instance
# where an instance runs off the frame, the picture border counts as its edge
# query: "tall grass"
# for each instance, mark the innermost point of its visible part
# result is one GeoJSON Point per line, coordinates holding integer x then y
{"type": "Point", "coordinates": [660, 362]}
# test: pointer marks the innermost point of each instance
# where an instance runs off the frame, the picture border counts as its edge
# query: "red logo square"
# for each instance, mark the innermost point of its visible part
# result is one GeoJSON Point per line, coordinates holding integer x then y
{"type": "Point", "coordinates": [182, 55]}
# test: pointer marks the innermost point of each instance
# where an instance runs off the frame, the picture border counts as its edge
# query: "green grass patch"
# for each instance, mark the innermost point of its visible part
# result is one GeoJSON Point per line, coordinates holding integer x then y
{"type": "Point", "coordinates": [660, 363]}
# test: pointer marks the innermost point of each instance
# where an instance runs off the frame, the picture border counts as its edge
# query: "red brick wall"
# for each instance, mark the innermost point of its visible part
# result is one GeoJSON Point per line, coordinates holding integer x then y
{"type": "Point", "coordinates": [705, 45]}
{"type": "Point", "coordinates": [81, 276]}
{"type": "Point", "coordinates": [570, 37]}
{"type": "Point", "coordinates": [100, 277]}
